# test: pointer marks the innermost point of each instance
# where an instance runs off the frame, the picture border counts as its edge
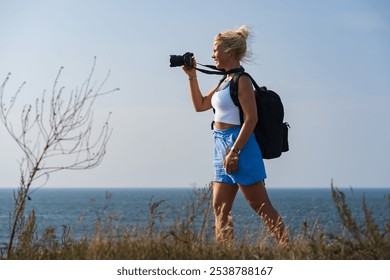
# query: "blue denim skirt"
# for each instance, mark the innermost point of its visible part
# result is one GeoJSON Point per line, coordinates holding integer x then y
{"type": "Point", "coordinates": [250, 164]}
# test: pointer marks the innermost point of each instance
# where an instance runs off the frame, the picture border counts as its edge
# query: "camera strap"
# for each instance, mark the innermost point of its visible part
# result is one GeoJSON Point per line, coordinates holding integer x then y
{"type": "Point", "coordinates": [216, 71]}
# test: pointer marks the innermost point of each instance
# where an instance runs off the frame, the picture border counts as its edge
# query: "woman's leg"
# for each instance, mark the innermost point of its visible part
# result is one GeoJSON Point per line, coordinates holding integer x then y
{"type": "Point", "coordinates": [223, 197]}
{"type": "Point", "coordinates": [257, 197]}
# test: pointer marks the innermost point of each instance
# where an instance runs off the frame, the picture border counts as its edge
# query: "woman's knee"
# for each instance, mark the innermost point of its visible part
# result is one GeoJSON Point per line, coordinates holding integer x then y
{"type": "Point", "coordinates": [221, 208]}
{"type": "Point", "coordinates": [223, 197]}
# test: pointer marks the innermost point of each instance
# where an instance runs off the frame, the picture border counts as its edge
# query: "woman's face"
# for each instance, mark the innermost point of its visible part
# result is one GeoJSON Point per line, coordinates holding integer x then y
{"type": "Point", "coordinates": [220, 56]}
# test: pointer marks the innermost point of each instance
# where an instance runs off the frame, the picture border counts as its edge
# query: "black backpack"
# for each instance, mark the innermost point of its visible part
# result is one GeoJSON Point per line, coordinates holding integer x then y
{"type": "Point", "coordinates": [270, 131]}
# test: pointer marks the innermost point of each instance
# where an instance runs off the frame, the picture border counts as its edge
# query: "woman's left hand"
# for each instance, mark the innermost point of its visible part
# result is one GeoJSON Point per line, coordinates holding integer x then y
{"type": "Point", "coordinates": [231, 163]}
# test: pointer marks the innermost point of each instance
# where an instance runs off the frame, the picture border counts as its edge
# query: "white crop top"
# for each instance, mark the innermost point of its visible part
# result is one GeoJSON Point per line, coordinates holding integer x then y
{"type": "Point", "coordinates": [225, 110]}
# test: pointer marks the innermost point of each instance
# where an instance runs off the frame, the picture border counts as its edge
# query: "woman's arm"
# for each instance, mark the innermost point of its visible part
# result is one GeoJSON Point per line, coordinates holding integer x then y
{"type": "Point", "coordinates": [201, 103]}
{"type": "Point", "coordinates": [246, 96]}
{"type": "Point", "coordinates": [247, 100]}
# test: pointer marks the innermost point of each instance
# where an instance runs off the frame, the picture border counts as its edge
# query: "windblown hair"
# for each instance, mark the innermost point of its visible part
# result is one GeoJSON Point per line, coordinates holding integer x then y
{"type": "Point", "coordinates": [235, 40]}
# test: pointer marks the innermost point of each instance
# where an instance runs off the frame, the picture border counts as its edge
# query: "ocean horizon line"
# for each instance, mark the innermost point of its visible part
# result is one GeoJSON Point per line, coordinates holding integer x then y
{"type": "Point", "coordinates": [189, 188]}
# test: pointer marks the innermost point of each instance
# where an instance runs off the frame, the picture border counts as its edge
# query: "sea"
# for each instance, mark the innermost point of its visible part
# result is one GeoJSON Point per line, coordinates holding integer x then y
{"type": "Point", "coordinates": [78, 210]}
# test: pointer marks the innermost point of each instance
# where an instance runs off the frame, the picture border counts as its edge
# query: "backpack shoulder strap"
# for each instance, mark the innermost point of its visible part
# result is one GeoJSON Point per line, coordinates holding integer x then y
{"type": "Point", "coordinates": [234, 90]}
{"type": "Point", "coordinates": [234, 94]}
{"type": "Point", "coordinates": [234, 83]}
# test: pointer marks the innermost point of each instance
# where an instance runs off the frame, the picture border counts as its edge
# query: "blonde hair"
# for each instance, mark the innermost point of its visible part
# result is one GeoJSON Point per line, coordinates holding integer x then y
{"type": "Point", "coordinates": [235, 40]}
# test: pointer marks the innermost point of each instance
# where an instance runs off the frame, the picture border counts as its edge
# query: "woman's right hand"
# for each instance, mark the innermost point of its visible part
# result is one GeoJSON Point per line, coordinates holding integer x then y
{"type": "Point", "coordinates": [190, 71]}
{"type": "Point", "coordinates": [201, 103]}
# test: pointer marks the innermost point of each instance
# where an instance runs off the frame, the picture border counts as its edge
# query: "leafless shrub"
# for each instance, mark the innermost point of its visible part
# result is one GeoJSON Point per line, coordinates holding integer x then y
{"type": "Point", "coordinates": [56, 133]}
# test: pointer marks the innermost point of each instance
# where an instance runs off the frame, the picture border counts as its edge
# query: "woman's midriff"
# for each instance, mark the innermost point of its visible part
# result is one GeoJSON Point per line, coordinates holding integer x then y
{"type": "Point", "coordinates": [220, 125]}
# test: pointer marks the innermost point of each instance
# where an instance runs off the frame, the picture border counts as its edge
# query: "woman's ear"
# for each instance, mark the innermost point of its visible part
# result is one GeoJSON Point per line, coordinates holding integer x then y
{"type": "Point", "coordinates": [230, 53]}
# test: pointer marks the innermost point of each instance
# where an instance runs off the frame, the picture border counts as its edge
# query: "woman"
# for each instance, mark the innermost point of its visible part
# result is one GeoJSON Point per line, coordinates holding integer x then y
{"type": "Point", "coordinates": [238, 162]}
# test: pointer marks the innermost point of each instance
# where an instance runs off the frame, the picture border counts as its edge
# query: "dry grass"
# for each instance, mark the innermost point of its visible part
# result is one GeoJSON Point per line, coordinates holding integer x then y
{"type": "Point", "coordinates": [191, 237]}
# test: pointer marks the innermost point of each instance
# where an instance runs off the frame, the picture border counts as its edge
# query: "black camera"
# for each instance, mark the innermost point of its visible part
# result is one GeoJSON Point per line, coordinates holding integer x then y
{"type": "Point", "coordinates": [180, 60]}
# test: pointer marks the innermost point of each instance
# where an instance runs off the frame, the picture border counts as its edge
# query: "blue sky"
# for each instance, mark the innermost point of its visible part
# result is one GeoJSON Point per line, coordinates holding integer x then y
{"type": "Point", "coordinates": [328, 60]}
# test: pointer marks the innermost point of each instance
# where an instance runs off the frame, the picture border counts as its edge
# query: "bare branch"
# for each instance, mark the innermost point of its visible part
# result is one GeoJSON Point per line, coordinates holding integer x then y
{"type": "Point", "coordinates": [56, 135]}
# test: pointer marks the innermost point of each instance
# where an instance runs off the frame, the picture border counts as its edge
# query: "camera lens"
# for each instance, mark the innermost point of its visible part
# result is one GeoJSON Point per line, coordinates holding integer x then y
{"type": "Point", "coordinates": [176, 60]}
